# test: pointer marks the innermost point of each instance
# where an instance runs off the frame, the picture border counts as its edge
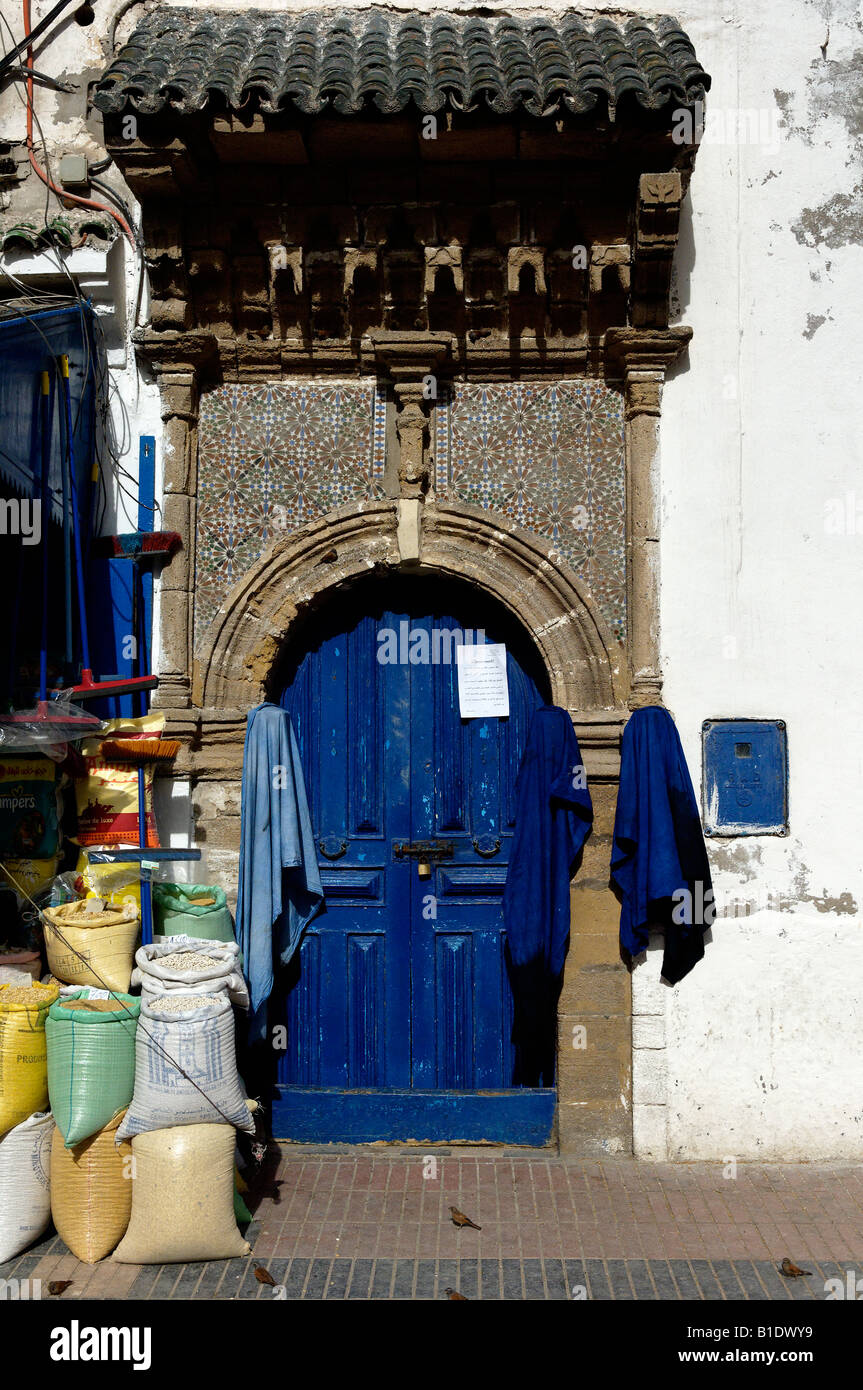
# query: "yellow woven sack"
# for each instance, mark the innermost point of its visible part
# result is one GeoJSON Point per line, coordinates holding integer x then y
{"type": "Point", "coordinates": [23, 1051]}
{"type": "Point", "coordinates": [91, 1192]}
{"type": "Point", "coordinates": [182, 1197]}
{"type": "Point", "coordinates": [86, 948]}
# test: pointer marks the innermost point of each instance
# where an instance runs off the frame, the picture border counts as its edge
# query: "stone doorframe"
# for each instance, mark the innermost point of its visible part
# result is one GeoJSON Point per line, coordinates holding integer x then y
{"type": "Point", "coordinates": [206, 700]}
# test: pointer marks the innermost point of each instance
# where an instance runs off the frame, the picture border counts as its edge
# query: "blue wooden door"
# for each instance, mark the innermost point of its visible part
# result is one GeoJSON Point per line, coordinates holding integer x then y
{"type": "Point", "coordinates": [398, 1005]}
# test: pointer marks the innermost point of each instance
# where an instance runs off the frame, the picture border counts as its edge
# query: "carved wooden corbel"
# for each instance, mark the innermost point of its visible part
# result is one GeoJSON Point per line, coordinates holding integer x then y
{"type": "Point", "coordinates": [517, 258]}
{"type": "Point", "coordinates": [443, 258]}
{"type": "Point", "coordinates": [656, 231]}
{"type": "Point", "coordinates": [359, 258]}
{"type": "Point", "coordinates": [601, 257]}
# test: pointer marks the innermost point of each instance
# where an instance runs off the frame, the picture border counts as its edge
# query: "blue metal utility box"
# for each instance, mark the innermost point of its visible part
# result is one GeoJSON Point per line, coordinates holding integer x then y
{"type": "Point", "coordinates": [744, 785]}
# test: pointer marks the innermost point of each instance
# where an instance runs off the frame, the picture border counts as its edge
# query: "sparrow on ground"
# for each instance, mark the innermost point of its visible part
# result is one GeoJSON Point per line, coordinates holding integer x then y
{"type": "Point", "coordinates": [792, 1271]}
{"type": "Point", "coordinates": [59, 1285]}
{"type": "Point", "coordinates": [264, 1276]}
{"type": "Point", "coordinates": [454, 1294]}
{"type": "Point", "coordinates": [459, 1219]}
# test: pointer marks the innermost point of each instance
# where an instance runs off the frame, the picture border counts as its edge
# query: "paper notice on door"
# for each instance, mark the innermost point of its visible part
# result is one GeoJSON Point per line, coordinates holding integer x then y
{"type": "Point", "coordinates": [482, 686]}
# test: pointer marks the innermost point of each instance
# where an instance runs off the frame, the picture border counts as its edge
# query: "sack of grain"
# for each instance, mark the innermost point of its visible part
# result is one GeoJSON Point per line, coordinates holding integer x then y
{"type": "Point", "coordinates": [23, 1051]}
{"type": "Point", "coordinates": [25, 1197]}
{"type": "Point", "coordinates": [185, 963]}
{"type": "Point", "coordinates": [91, 1192]}
{"type": "Point", "coordinates": [191, 909]}
{"type": "Point", "coordinates": [183, 1197]}
{"type": "Point", "coordinates": [87, 947]}
{"type": "Point", "coordinates": [91, 1060]}
{"type": "Point", "coordinates": [186, 1065]}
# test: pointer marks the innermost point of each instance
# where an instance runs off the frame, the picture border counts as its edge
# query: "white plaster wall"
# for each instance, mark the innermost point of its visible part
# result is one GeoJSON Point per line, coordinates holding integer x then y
{"type": "Point", "coordinates": [756, 1053]}
{"type": "Point", "coordinates": [761, 605]}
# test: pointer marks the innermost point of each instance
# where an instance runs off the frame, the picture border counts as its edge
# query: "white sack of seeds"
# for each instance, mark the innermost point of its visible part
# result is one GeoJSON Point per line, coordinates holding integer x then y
{"type": "Point", "coordinates": [185, 1065]}
{"type": "Point", "coordinates": [25, 1194]}
{"type": "Point", "coordinates": [181, 962]}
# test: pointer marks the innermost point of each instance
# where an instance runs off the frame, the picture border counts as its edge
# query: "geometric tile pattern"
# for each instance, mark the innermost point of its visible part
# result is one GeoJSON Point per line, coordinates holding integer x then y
{"type": "Point", "coordinates": [365, 1226]}
{"type": "Point", "coordinates": [550, 457]}
{"type": "Point", "coordinates": [271, 457]}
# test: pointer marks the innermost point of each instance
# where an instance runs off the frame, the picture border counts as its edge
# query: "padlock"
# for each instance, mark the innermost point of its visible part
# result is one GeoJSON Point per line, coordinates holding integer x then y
{"type": "Point", "coordinates": [424, 868]}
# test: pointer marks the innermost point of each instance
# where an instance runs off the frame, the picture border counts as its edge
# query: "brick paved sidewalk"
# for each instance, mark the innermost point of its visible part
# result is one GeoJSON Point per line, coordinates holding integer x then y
{"type": "Point", "coordinates": [362, 1224]}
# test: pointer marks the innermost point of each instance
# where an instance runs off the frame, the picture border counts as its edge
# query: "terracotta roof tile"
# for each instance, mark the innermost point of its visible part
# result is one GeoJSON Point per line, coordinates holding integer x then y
{"type": "Point", "coordinates": [188, 59]}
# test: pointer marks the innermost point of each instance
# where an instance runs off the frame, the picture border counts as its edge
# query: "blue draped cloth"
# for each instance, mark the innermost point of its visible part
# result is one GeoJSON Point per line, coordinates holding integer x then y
{"type": "Point", "coordinates": [280, 884]}
{"type": "Point", "coordinates": [552, 821]}
{"type": "Point", "coordinates": [553, 817]}
{"type": "Point", "coordinates": [658, 859]}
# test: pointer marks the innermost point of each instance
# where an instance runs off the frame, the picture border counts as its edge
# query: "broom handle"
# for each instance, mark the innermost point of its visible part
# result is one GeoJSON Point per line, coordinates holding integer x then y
{"type": "Point", "coordinates": [76, 530]}
{"type": "Point", "coordinates": [46, 523]}
{"type": "Point", "coordinates": [67, 559]}
{"type": "Point", "coordinates": [146, 889]}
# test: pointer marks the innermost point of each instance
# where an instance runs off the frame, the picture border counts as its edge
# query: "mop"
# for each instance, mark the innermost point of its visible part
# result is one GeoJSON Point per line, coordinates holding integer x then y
{"type": "Point", "coordinates": [88, 688]}
{"type": "Point", "coordinates": [56, 721]}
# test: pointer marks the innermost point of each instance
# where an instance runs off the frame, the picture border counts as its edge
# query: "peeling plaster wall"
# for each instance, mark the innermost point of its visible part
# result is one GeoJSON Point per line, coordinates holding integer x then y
{"type": "Point", "coordinates": [757, 1053]}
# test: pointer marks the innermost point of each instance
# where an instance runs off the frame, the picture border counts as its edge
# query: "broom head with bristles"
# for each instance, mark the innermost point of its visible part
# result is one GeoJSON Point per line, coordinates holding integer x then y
{"type": "Point", "coordinates": [139, 750]}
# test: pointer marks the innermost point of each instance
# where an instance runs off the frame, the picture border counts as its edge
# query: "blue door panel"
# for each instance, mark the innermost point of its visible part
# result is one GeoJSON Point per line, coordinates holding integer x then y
{"type": "Point", "coordinates": [401, 985]}
{"type": "Point", "coordinates": [520, 1116]}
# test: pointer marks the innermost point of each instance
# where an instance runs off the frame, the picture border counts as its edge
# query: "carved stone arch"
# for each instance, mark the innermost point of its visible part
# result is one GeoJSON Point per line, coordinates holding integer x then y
{"type": "Point", "coordinates": [460, 541]}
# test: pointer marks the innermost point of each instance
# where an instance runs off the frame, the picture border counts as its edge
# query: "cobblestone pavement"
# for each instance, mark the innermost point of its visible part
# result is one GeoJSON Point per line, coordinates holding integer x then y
{"type": "Point", "coordinates": [366, 1224]}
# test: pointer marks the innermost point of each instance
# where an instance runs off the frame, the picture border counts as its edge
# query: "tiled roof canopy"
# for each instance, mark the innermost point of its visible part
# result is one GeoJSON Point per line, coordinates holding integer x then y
{"type": "Point", "coordinates": [348, 61]}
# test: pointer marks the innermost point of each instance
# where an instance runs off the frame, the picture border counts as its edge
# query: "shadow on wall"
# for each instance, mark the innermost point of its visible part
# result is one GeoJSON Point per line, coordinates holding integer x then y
{"type": "Point", "coordinates": [684, 265]}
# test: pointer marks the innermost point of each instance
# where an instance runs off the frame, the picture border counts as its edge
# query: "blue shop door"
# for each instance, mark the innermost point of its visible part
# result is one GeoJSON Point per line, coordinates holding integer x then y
{"type": "Point", "coordinates": [398, 1006]}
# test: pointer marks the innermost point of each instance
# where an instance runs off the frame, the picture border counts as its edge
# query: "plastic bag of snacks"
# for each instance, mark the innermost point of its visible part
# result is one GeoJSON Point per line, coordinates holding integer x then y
{"type": "Point", "coordinates": [23, 1051]}
{"type": "Point", "coordinates": [116, 884]}
{"type": "Point", "coordinates": [191, 909]}
{"type": "Point", "coordinates": [107, 798]}
{"type": "Point", "coordinates": [184, 963]}
{"type": "Point", "coordinates": [186, 1065]}
{"type": "Point", "coordinates": [30, 877]}
{"type": "Point", "coordinates": [183, 1197]}
{"type": "Point", "coordinates": [25, 1197]}
{"type": "Point", "coordinates": [91, 1192]}
{"type": "Point", "coordinates": [89, 944]}
{"type": "Point", "coordinates": [18, 967]}
{"type": "Point", "coordinates": [91, 1060]}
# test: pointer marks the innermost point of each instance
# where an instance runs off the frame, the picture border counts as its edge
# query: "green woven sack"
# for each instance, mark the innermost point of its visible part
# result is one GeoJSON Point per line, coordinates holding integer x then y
{"type": "Point", "coordinates": [91, 1060]}
{"type": "Point", "coordinates": [177, 913]}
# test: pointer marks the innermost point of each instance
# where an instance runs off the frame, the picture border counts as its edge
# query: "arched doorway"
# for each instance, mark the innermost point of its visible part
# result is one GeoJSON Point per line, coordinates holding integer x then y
{"type": "Point", "coordinates": [398, 1006]}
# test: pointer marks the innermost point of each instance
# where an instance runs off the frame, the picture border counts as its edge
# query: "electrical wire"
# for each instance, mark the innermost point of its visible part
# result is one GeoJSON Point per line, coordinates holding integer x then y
{"type": "Point", "coordinates": [42, 173]}
{"type": "Point", "coordinates": [106, 414]}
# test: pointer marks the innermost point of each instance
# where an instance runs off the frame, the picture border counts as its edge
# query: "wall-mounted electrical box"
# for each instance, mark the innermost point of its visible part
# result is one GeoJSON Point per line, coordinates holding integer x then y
{"type": "Point", "coordinates": [744, 785]}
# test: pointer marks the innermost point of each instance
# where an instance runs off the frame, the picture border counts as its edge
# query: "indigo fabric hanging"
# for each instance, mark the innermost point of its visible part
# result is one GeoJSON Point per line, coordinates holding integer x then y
{"type": "Point", "coordinates": [280, 884]}
{"type": "Point", "coordinates": [552, 821]}
{"type": "Point", "coordinates": [658, 858]}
